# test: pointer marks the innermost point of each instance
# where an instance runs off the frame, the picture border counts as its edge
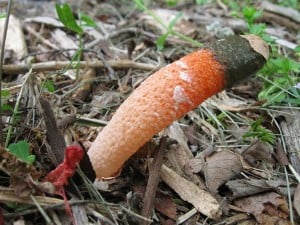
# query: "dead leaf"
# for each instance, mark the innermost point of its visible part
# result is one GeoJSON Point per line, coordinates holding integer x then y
{"type": "Point", "coordinates": [163, 221]}
{"type": "Point", "coordinates": [271, 220]}
{"type": "Point", "coordinates": [228, 103]}
{"type": "Point", "coordinates": [297, 199]}
{"type": "Point", "coordinates": [64, 41]}
{"type": "Point", "coordinates": [195, 165]}
{"type": "Point", "coordinates": [19, 222]}
{"type": "Point", "coordinates": [238, 132]}
{"type": "Point", "coordinates": [237, 218]}
{"type": "Point", "coordinates": [105, 100]}
{"type": "Point", "coordinates": [221, 167]}
{"type": "Point", "coordinates": [87, 80]}
{"type": "Point", "coordinates": [19, 172]}
{"type": "Point", "coordinates": [191, 134]}
{"type": "Point", "coordinates": [44, 20]}
{"type": "Point", "coordinates": [180, 154]}
{"type": "Point", "coordinates": [15, 41]}
{"type": "Point", "coordinates": [259, 151]}
{"type": "Point", "coordinates": [281, 156]}
{"type": "Point", "coordinates": [248, 222]}
{"type": "Point", "coordinates": [268, 208]}
{"type": "Point", "coordinates": [191, 193]}
{"type": "Point", "coordinates": [183, 25]}
{"type": "Point", "coordinates": [246, 187]}
{"type": "Point", "coordinates": [165, 205]}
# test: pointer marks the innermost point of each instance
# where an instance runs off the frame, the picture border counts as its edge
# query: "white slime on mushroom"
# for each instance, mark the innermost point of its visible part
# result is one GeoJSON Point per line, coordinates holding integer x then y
{"type": "Point", "coordinates": [185, 76]}
{"type": "Point", "coordinates": [181, 64]}
{"type": "Point", "coordinates": [179, 96]}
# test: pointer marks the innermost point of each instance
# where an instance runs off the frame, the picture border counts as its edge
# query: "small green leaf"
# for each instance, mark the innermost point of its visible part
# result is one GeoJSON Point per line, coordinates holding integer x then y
{"type": "Point", "coordinates": [48, 85]}
{"type": "Point", "coordinates": [171, 2]}
{"type": "Point", "coordinates": [257, 29]}
{"type": "Point", "coordinates": [174, 20]}
{"type": "Point", "coordinates": [66, 16]}
{"type": "Point", "coordinates": [30, 159]}
{"type": "Point", "coordinates": [87, 21]}
{"type": "Point", "coordinates": [6, 107]}
{"type": "Point", "coordinates": [21, 150]}
{"type": "Point", "coordinates": [201, 2]}
{"type": "Point", "coordinates": [5, 93]}
{"type": "Point", "coordinates": [2, 15]}
{"type": "Point", "coordinates": [251, 14]}
{"type": "Point", "coordinates": [160, 42]}
{"type": "Point", "coordinates": [139, 4]}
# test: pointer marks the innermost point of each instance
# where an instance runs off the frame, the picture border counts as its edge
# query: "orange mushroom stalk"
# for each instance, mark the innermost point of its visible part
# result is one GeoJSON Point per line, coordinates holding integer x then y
{"type": "Point", "coordinates": [170, 93]}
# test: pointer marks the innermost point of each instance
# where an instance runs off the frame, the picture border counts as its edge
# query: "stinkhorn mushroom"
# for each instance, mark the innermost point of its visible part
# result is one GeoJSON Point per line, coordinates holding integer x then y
{"type": "Point", "coordinates": [170, 93]}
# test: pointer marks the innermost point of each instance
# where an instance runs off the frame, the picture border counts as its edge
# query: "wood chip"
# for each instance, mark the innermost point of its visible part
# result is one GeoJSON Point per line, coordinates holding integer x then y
{"type": "Point", "coordinates": [202, 200]}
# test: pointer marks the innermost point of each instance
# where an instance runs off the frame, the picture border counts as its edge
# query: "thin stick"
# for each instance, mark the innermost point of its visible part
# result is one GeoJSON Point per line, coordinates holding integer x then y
{"type": "Point", "coordinates": [42, 211]}
{"type": "Point", "coordinates": [154, 177]}
{"type": "Point", "coordinates": [16, 109]}
{"type": "Point", "coordinates": [2, 61]}
{"type": "Point", "coordinates": [58, 65]}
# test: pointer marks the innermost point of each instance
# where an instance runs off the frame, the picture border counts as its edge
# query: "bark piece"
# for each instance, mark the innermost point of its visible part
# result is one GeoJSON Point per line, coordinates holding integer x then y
{"type": "Point", "coordinates": [202, 200]}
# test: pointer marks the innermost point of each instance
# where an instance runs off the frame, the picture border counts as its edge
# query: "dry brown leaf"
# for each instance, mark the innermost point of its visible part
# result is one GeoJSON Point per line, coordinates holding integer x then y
{"type": "Point", "coordinates": [228, 103]}
{"type": "Point", "coordinates": [19, 222]}
{"type": "Point", "coordinates": [202, 200]}
{"type": "Point", "coordinates": [165, 205]}
{"type": "Point", "coordinates": [195, 165]}
{"type": "Point", "coordinates": [268, 208]}
{"type": "Point", "coordinates": [246, 187]}
{"type": "Point", "coordinates": [64, 41]}
{"type": "Point", "coordinates": [105, 100]}
{"type": "Point", "coordinates": [248, 222]}
{"type": "Point", "coordinates": [281, 155]}
{"type": "Point", "coordinates": [192, 134]}
{"type": "Point", "coordinates": [271, 220]}
{"type": "Point", "coordinates": [237, 218]}
{"type": "Point", "coordinates": [221, 167]}
{"type": "Point", "coordinates": [259, 151]}
{"type": "Point", "coordinates": [8, 195]}
{"type": "Point", "coordinates": [183, 25]}
{"type": "Point", "coordinates": [87, 80]}
{"type": "Point", "coordinates": [297, 200]}
{"type": "Point", "coordinates": [180, 154]}
{"type": "Point", "coordinates": [44, 20]}
{"type": "Point", "coordinates": [22, 175]}
{"type": "Point", "coordinates": [13, 166]}
{"type": "Point", "coordinates": [238, 132]}
{"type": "Point", "coordinates": [15, 41]}
{"type": "Point", "coordinates": [163, 221]}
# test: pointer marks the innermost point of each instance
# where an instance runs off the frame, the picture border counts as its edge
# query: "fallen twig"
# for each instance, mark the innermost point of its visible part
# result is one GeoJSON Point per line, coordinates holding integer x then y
{"type": "Point", "coordinates": [154, 177]}
{"type": "Point", "coordinates": [58, 65]}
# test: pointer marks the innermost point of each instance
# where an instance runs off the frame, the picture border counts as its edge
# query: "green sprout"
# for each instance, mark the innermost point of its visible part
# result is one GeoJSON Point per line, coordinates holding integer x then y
{"type": "Point", "coordinates": [66, 16]}
{"type": "Point", "coordinates": [256, 130]}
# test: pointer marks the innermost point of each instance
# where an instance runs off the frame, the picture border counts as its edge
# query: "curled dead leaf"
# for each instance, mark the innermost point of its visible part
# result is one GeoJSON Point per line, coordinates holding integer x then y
{"type": "Point", "coordinates": [221, 167]}
{"type": "Point", "coordinates": [267, 208]}
{"type": "Point", "coordinates": [259, 151]}
{"type": "Point", "coordinates": [165, 205]}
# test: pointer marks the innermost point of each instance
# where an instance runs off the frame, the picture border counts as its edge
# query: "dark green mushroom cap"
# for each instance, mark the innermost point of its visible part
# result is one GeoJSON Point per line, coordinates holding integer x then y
{"type": "Point", "coordinates": [241, 56]}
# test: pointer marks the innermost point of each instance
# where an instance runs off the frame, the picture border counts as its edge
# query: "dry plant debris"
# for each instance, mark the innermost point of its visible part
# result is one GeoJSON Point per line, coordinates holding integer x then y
{"type": "Point", "coordinates": [211, 175]}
